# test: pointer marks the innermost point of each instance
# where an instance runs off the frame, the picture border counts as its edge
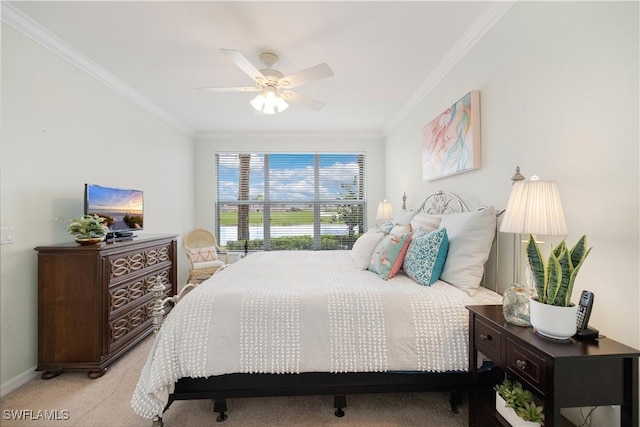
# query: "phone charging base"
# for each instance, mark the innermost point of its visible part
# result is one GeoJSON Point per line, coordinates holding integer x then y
{"type": "Point", "coordinates": [587, 334]}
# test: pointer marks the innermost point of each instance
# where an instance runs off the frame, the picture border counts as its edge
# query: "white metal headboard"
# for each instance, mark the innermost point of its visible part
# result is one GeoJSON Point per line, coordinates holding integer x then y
{"type": "Point", "coordinates": [443, 202]}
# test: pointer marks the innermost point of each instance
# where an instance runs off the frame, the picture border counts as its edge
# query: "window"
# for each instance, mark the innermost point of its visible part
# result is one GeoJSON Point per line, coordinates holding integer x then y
{"type": "Point", "coordinates": [277, 201]}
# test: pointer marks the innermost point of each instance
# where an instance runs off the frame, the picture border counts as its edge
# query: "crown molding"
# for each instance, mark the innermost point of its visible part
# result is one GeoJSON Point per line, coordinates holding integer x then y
{"type": "Point", "coordinates": [279, 136]}
{"type": "Point", "coordinates": [23, 23]}
{"type": "Point", "coordinates": [491, 14]}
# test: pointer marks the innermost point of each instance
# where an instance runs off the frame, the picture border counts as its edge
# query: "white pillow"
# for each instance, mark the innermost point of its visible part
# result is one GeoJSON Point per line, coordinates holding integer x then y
{"type": "Point", "coordinates": [364, 247]}
{"type": "Point", "coordinates": [426, 221]}
{"type": "Point", "coordinates": [400, 229]}
{"type": "Point", "coordinates": [404, 217]}
{"type": "Point", "coordinates": [470, 235]}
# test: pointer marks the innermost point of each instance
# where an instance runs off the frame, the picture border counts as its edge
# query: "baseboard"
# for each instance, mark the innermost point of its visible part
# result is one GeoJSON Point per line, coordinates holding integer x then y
{"type": "Point", "coordinates": [17, 382]}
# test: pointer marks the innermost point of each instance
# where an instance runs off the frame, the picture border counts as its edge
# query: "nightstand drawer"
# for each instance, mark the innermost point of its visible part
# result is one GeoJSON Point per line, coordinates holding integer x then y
{"type": "Point", "coordinates": [489, 341]}
{"type": "Point", "coordinates": [527, 365]}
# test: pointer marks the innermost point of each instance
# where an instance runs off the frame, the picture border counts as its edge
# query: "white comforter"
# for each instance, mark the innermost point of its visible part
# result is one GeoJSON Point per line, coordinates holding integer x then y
{"type": "Point", "coordinates": [291, 312]}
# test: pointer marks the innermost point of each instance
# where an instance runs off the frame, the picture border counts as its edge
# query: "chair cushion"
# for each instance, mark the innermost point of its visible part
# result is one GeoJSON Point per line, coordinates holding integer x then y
{"type": "Point", "coordinates": [205, 254]}
{"type": "Point", "coordinates": [207, 264]}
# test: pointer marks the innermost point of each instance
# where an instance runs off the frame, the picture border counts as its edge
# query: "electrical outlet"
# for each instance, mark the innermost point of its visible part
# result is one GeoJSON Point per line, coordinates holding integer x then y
{"type": "Point", "coordinates": [7, 235]}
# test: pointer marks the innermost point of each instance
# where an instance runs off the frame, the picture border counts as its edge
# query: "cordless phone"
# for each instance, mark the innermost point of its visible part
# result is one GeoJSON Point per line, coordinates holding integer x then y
{"type": "Point", "coordinates": [584, 312]}
{"type": "Point", "coordinates": [584, 309]}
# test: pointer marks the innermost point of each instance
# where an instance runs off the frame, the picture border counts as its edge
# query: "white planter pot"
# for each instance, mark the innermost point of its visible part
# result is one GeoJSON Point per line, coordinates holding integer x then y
{"type": "Point", "coordinates": [553, 321]}
{"type": "Point", "coordinates": [510, 415]}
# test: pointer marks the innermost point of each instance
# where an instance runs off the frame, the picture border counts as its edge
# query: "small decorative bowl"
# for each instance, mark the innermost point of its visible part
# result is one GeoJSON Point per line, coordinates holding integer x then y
{"type": "Point", "coordinates": [89, 240]}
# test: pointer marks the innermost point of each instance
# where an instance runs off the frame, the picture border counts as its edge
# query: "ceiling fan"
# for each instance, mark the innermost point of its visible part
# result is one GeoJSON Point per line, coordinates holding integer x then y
{"type": "Point", "coordinates": [274, 87]}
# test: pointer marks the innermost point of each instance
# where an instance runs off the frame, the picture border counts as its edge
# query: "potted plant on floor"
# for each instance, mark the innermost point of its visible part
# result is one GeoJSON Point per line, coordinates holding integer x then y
{"type": "Point", "coordinates": [88, 229]}
{"type": "Point", "coordinates": [517, 405]}
{"type": "Point", "coordinates": [551, 312]}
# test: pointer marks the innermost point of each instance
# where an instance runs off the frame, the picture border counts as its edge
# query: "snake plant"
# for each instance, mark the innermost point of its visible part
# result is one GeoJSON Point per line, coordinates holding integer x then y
{"type": "Point", "coordinates": [554, 281]}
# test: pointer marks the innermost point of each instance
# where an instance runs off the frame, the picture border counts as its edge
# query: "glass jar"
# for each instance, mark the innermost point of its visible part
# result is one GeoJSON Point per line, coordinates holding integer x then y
{"type": "Point", "coordinates": [515, 305]}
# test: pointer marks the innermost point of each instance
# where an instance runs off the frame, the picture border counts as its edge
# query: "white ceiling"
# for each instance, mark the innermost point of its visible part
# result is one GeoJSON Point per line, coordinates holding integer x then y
{"type": "Point", "coordinates": [383, 53]}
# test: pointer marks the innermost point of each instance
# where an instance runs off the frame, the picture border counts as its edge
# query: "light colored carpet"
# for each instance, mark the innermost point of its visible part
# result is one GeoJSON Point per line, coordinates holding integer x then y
{"type": "Point", "coordinates": [105, 402]}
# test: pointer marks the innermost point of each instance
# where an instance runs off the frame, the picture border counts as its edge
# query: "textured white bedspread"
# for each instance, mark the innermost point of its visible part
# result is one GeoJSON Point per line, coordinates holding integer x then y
{"type": "Point", "coordinates": [298, 311]}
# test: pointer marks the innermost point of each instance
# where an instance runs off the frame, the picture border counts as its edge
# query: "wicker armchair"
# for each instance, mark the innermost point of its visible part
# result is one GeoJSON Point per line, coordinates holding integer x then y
{"type": "Point", "coordinates": [204, 254]}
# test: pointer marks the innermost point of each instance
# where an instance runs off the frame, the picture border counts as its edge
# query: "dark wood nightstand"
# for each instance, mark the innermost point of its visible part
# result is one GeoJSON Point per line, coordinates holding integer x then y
{"type": "Point", "coordinates": [562, 374]}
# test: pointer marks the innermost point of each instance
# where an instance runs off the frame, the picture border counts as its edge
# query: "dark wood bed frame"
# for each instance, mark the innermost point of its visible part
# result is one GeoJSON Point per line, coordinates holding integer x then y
{"type": "Point", "coordinates": [222, 387]}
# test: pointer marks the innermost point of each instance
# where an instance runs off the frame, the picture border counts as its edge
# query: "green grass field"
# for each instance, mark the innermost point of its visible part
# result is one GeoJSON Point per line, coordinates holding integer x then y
{"type": "Point", "coordinates": [277, 218]}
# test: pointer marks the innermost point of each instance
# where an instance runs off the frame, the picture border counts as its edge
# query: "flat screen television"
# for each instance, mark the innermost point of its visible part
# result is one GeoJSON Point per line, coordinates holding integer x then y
{"type": "Point", "coordinates": [122, 208]}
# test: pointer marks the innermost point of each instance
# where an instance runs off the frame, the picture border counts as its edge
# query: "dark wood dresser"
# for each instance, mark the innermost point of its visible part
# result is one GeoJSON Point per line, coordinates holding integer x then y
{"type": "Point", "coordinates": [94, 302]}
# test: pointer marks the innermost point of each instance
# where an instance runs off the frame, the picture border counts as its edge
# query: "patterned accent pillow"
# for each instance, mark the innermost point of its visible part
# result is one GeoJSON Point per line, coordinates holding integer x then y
{"type": "Point", "coordinates": [426, 255]}
{"type": "Point", "coordinates": [385, 254]}
{"type": "Point", "coordinates": [208, 253]}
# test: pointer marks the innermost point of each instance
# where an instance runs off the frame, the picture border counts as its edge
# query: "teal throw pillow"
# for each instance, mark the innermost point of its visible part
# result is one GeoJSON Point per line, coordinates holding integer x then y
{"type": "Point", "coordinates": [426, 255]}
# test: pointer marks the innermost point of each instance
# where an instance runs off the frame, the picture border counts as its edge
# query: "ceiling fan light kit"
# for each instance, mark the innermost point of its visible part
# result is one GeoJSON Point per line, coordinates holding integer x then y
{"type": "Point", "coordinates": [268, 102]}
{"type": "Point", "coordinates": [275, 94]}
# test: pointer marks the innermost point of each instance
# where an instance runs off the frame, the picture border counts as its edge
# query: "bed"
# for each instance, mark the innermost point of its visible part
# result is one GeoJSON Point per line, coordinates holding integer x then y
{"type": "Point", "coordinates": [386, 316]}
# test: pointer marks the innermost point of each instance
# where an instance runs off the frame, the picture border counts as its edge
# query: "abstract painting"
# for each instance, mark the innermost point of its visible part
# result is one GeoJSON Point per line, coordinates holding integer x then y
{"type": "Point", "coordinates": [451, 141]}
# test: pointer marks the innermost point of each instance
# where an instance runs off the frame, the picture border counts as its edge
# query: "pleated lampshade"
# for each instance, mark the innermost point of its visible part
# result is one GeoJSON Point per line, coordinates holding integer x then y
{"type": "Point", "coordinates": [534, 207]}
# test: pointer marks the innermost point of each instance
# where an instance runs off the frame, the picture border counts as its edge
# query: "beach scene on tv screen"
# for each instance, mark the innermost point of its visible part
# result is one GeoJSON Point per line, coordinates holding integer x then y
{"type": "Point", "coordinates": [122, 208]}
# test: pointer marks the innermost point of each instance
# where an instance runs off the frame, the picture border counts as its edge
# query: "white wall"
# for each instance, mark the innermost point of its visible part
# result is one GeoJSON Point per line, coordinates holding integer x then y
{"type": "Point", "coordinates": [62, 128]}
{"type": "Point", "coordinates": [207, 146]}
{"type": "Point", "coordinates": [559, 95]}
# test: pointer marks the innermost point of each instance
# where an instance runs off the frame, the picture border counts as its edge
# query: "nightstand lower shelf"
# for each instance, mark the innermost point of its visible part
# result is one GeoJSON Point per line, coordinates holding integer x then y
{"type": "Point", "coordinates": [486, 414]}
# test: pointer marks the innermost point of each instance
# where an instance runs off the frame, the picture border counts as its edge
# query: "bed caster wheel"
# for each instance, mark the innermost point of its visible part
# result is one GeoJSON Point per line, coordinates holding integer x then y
{"type": "Point", "coordinates": [220, 406]}
{"type": "Point", "coordinates": [157, 422]}
{"type": "Point", "coordinates": [455, 399]}
{"type": "Point", "coordinates": [339, 402]}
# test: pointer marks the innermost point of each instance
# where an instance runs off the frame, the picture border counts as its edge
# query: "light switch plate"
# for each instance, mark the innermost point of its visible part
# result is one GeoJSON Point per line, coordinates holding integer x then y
{"type": "Point", "coordinates": [7, 235]}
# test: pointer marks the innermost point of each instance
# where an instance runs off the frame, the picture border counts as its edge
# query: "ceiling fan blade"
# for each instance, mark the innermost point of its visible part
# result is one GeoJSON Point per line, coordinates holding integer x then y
{"type": "Point", "coordinates": [316, 72]}
{"type": "Point", "coordinates": [231, 89]}
{"type": "Point", "coordinates": [244, 64]}
{"type": "Point", "coordinates": [296, 98]}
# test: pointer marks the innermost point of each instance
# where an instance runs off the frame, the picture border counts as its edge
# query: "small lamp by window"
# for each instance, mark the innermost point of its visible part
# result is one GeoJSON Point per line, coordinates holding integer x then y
{"type": "Point", "coordinates": [385, 211]}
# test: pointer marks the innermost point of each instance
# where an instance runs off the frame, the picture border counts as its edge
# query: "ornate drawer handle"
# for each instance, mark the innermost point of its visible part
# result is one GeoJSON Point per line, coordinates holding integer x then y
{"type": "Point", "coordinates": [484, 337]}
{"type": "Point", "coordinates": [522, 364]}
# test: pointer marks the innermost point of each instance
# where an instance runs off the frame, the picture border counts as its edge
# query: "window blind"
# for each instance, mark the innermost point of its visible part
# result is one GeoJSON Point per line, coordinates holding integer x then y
{"type": "Point", "coordinates": [285, 201]}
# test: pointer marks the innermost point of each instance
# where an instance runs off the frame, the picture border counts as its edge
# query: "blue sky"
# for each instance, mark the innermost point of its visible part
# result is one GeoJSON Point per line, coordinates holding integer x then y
{"type": "Point", "coordinates": [292, 175]}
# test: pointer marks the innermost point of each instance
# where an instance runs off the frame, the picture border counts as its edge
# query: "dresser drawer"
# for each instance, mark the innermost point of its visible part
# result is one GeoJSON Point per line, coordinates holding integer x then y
{"type": "Point", "coordinates": [129, 325]}
{"type": "Point", "coordinates": [526, 364]}
{"type": "Point", "coordinates": [124, 264]}
{"type": "Point", "coordinates": [125, 295]}
{"type": "Point", "coordinates": [489, 341]}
